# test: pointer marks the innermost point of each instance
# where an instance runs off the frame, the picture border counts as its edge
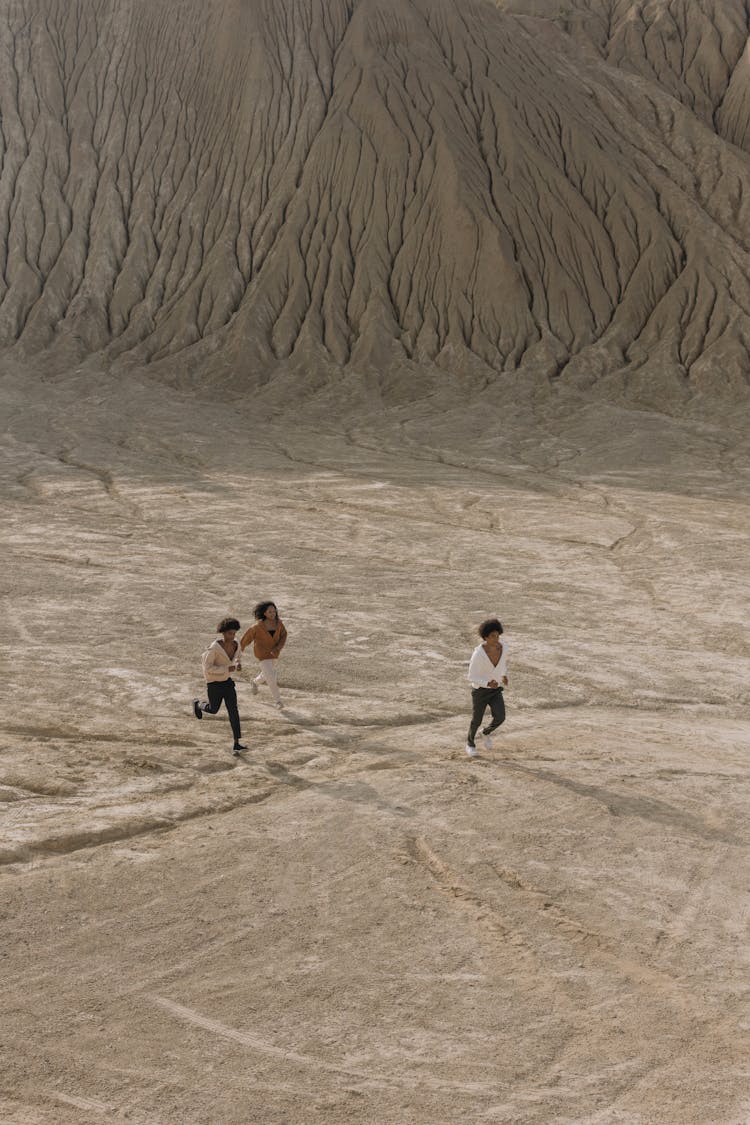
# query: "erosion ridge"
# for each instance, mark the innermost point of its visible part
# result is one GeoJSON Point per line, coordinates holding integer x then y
{"type": "Point", "coordinates": [694, 51]}
{"type": "Point", "coordinates": [551, 189]}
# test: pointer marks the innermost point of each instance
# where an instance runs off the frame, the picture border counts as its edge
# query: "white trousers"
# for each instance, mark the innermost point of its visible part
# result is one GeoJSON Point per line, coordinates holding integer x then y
{"type": "Point", "coordinates": [269, 675]}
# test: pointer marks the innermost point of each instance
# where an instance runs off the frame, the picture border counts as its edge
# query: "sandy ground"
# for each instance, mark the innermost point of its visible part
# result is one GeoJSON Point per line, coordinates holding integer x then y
{"type": "Point", "coordinates": [355, 923]}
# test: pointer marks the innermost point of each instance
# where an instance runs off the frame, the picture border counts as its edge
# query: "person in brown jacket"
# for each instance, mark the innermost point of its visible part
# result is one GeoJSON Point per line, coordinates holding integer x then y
{"type": "Point", "coordinates": [268, 637]}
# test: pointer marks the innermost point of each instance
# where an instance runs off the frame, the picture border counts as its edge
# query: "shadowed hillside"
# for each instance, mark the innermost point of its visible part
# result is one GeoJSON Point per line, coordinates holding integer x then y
{"type": "Point", "coordinates": [550, 188]}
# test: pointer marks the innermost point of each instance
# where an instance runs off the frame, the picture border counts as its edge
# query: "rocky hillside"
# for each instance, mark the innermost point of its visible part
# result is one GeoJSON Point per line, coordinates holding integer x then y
{"type": "Point", "coordinates": [558, 186]}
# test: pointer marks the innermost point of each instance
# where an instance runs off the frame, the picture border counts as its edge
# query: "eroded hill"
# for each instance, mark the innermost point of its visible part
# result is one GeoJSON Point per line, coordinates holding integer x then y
{"type": "Point", "coordinates": [558, 188]}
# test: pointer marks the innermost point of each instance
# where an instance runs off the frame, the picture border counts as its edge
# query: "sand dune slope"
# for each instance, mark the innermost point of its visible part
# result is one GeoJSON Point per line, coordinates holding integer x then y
{"type": "Point", "coordinates": [369, 181]}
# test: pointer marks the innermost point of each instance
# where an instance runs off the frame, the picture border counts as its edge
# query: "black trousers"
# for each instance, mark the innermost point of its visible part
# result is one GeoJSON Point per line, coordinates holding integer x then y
{"type": "Point", "coordinates": [481, 699]}
{"type": "Point", "coordinates": [224, 692]}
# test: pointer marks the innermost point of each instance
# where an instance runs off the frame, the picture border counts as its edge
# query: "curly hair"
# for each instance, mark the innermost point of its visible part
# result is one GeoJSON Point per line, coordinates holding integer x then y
{"type": "Point", "coordinates": [260, 610]}
{"type": "Point", "coordinates": [226, 624]}
{"type": "Point", "coordinates": [491, 625]}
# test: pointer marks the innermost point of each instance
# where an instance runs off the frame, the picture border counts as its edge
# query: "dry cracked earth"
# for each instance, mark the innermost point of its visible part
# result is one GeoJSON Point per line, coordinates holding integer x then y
{"type": "Point", "coordinates": [400, 314]}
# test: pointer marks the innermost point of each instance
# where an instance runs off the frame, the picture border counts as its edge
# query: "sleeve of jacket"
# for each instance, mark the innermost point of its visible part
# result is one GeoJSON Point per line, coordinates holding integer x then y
{"type": "Point", "coordinates": [247, 637]}
{"type": "Point", "coordinates": [282, 638]}
{"type": "Point", "coordinates": [209, 662]}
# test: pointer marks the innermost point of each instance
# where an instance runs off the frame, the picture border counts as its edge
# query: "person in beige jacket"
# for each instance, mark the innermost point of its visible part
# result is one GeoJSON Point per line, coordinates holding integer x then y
{"type": "Point", "coordinates": [268, 637]}
{"type": "Point", "coordinates": [219, 661]}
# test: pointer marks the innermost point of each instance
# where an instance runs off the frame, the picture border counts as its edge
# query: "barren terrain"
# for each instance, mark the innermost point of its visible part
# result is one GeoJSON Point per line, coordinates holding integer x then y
{"type": "Point", "coordinates": [401, 313]}
{"type": "Point", "coordinates": [555, 189]}
{"type": "Point", "coordinates": [355, 922]}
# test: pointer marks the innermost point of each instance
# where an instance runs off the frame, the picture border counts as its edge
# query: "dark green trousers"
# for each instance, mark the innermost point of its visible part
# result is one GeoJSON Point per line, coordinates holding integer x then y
{"type": "Point", "coordinates": [481, 699]}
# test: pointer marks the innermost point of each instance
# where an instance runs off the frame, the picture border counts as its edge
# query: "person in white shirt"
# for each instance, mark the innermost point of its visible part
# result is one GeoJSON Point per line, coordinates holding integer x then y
{"type": "Point", "coordinates": [219, 660]}
{"type": "Point", "coordinates": [488, 673]}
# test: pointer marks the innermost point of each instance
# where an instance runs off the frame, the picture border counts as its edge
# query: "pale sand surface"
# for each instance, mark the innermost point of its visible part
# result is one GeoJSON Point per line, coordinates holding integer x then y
{"type": "Point", "coordinates": [355, 922]}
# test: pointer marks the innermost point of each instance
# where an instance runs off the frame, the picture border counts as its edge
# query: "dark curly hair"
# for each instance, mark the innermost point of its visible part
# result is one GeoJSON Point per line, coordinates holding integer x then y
{"type": "Point", "coordinates": [226, 624]}
{"type": "Point", "coordinates": [491, 625]}
{"type": "Point", "coordinates": [260, 610]}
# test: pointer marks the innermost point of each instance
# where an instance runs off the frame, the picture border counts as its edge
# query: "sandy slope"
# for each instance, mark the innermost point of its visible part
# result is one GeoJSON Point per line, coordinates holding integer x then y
{"type": "Point", "coordinates": [356, 923]}
{"type": "Point", "coordinates": [543, 187]}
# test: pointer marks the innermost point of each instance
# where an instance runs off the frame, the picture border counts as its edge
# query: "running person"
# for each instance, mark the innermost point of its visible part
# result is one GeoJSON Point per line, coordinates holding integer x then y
{"type": "Point", "coordinates": [488, 673]}
{"type": "Point", "coordinates": [219, 660]}
{"type": "Point", "coordinates": [269, 637]}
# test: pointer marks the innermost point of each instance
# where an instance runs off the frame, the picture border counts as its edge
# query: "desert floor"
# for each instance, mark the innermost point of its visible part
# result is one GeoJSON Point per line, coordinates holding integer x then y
{"type": "Point", "coordinates": [354, 922]}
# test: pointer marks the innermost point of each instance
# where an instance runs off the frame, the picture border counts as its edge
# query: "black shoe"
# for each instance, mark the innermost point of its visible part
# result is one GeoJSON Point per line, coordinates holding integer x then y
{"type": "Point", "coordinates": [197, 709]}
{"type": "Point", "coordinates": [238, 748]}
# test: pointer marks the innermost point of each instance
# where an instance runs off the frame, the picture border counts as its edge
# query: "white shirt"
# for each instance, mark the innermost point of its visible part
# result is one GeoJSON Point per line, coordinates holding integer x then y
{"type": "Point", "coordinates": [482, 670]}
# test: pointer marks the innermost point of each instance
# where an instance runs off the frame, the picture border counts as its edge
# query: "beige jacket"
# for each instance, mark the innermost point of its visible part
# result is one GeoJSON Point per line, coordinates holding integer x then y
{"type": "Point", "coordinates": [216, 662]}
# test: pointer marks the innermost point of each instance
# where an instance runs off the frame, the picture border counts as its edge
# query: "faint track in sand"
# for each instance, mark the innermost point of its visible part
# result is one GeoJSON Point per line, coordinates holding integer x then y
{"type": "Point", "coordinates": [622, 804]}
{"type": "Point", "coordinates": [535, 908]}
{"type": "Point", "coordinates": [263, 1046]}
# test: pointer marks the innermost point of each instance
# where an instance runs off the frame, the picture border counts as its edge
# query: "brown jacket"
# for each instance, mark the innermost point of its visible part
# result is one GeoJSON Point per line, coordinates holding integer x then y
{"type": "Point", "coordinates": [265, 646]}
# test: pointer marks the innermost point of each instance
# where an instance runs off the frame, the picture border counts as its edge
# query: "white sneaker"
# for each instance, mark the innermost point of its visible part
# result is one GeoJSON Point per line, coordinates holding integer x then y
{"type": "Point", "coordinates": [278, 705]}
{"type": "Point", "coordinates": [471, 750]}
{"type": "Point", "coordinates": [487, 741]}
{"type": "Point", "coordinates": [253, 687]}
